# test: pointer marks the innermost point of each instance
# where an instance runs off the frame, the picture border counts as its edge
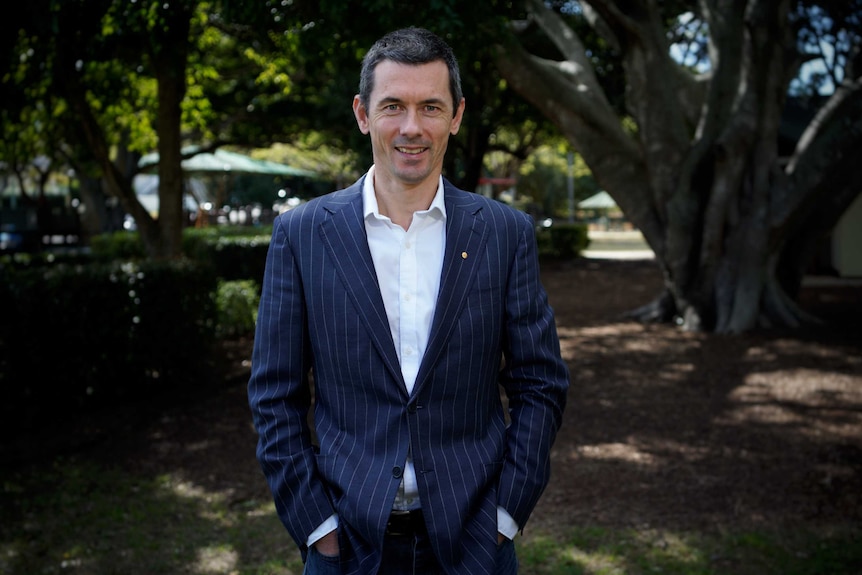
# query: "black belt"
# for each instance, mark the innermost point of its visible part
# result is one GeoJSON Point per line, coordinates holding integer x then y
{"type": "Point", "coordinates": [407, 523]}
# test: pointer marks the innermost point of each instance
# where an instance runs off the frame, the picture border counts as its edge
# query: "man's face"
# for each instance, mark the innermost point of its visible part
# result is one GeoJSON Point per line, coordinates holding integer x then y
{"type": "Point", "coordinates": [409, 118]}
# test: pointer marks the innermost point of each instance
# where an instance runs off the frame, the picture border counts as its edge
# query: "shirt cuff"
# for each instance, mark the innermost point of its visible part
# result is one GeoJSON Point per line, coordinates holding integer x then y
{"type": "Point", "coordinates": [331, 524]}
{"type": "Point", "coordinates": [505, 524]}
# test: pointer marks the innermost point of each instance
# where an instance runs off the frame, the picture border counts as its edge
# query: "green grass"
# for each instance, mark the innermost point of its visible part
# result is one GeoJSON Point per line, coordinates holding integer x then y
{"type": "Point", "coordinates": [599, 551]}
{"type": "Point", "coordinates": [83, 518]}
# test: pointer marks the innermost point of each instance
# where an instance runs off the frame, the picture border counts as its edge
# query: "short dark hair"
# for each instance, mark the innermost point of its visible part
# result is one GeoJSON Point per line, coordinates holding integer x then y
{"type": "Point", "coordinates": [410, 46]}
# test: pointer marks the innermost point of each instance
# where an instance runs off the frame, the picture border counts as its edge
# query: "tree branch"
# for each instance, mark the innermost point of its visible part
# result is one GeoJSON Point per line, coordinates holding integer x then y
{"type": "Point", "coordinates": [826, 156]}
{"type": "Point", "coordinates": [566, 41]}
{"type": "Point", "coordinates": [578, 106]}
{"type": "Point", "coordinates": [653, 91]}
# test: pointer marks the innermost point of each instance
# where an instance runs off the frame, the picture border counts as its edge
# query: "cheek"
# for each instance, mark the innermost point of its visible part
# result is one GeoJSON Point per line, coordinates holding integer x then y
{"type": "Point", "coordinates": [382, 128]}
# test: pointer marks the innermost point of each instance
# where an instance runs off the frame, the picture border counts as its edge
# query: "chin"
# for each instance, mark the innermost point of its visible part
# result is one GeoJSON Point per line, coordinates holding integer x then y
{"type": "Point", "coordinates": [413, 176]}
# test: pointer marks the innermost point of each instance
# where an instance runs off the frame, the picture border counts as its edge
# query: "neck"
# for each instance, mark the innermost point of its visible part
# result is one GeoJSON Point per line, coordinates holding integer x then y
{"type": "Point", "coordinates": [399, 203]}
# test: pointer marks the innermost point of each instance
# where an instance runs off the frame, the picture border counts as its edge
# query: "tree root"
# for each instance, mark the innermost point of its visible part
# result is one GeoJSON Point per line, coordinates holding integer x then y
{"type": "Point", "coordinates": [661, 310]}
{"type": "Point", "coordinates": [780, 310]}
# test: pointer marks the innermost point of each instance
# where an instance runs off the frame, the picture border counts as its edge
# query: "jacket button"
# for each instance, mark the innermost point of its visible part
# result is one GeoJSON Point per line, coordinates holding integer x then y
{"type": "Point", "coordinates": [411, 408]}
{"type": "Point", "coordinates": [397, 472]}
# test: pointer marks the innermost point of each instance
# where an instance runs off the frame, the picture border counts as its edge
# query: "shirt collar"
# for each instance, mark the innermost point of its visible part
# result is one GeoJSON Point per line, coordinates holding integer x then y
{"type": "Point", "coordinates": [369, 199]}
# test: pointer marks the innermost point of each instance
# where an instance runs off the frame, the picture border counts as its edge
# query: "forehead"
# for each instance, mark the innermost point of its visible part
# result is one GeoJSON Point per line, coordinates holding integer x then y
{"type": "Point", "coordinates": [411, 82]}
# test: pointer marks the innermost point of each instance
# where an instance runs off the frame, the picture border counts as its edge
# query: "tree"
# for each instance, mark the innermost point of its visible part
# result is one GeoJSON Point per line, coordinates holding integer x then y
{"type": "Point", "coordinates": [118, 79]}
{"type": "Point", "coordinates": [106, 81]}
{"type": "Point", "coordinates": [700, 172]}
{"type": "Point", "coordinates": [77, 71]}
{"type": "Point", "coordinates": [329, 46]}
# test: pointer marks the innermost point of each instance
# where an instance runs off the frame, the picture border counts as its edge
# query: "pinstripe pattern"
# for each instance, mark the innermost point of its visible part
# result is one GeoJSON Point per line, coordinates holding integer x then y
{"type": "Point", "coordinates": [321, 310]}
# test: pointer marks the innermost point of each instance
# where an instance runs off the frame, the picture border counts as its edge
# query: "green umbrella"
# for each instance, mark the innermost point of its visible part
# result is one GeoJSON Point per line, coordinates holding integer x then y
{"type": "Point", "coordinates": [223, 161]}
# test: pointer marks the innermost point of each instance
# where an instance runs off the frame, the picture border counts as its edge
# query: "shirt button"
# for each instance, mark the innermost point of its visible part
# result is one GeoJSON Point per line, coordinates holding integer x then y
{"type": "Point", "coordinates": [397, 472]}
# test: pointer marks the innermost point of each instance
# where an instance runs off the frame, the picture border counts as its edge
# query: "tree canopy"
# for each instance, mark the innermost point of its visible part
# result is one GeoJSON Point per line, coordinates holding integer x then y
{"type": "Point", "coordinates": [697, 156]}
{"type": "Point", "coordinates": [727, 130]}
{"type": "Point", "coordinates": [113, 80]}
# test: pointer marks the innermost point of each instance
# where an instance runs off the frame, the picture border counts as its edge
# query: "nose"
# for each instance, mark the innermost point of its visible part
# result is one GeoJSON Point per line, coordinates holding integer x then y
{"type": "Point", "coordinates": [412, 124]}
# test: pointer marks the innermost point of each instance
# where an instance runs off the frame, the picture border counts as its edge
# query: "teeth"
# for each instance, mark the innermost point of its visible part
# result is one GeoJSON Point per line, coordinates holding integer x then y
{"type": "Point", "coordinates": [411, 151]}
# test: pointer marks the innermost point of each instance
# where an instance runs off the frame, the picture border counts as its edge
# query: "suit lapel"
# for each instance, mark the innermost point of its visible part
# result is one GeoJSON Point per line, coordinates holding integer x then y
{"type": "Point", "coordinates": [344, 237]}
{"type": "Point", "coordinates": [466, 235]}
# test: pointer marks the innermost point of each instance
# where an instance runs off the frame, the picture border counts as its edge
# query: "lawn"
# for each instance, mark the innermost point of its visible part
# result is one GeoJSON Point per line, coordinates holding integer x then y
{"type": "Point", "coordinates": [680, 453]}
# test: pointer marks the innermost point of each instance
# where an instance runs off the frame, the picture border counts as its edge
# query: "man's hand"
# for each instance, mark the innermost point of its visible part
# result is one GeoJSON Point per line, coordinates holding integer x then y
{"type": "Point", "coordinates": [500, 538]}
{"type": "Point", "coordinates": [328, 544]}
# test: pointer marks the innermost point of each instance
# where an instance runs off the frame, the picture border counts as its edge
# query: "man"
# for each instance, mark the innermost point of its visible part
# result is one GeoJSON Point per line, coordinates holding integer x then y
{"type": "Point", "coordinates": [411, 302]}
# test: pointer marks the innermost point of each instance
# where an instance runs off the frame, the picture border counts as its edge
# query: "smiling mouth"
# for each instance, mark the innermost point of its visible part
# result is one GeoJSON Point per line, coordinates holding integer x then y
{"type": "Point", "coordinates": [411, 151]}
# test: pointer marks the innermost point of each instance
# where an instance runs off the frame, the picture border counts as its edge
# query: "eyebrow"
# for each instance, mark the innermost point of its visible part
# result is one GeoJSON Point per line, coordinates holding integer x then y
{"type": "Point", "coordinates": [393, 100]}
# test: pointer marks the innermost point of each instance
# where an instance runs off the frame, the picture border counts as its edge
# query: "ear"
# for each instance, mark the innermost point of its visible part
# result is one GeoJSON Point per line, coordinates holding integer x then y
{"type": "Point", "coordinates": [361, 114]}
{"type": "Point", "coordinates": [459, 115]}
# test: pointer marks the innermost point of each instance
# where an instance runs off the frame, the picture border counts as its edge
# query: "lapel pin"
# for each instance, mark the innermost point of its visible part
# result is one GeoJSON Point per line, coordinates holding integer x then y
{"type": "Point", "coordinates": [463, 255]}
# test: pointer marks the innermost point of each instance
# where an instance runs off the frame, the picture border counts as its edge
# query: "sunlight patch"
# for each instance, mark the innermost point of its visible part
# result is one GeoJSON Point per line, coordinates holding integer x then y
{"type": "Point", "coordinates": [836, 390]}
{"type": "Point", "coordinates": [676, 449]}
{"type": "Point", "coordinates": [262, 510]}
{"type": "Point", "coordinates": [680, 371]}
{"type": "Point", "coordinates": [802, 393]}
{"type": "Point", "coordinates": [188, 490]}
{"type": "Point", "coordinates": [766, 413]}
{"type": "Point", "coordinates": [804, 348]}
{"type": "Point", "coordinates": [616, 452]}
{"type": "Point", "coordinates": [759, 353]}
{"type": "Point", "coordinates": [614, 329]}
{"type": "Point", "coordinates": [597, 562]}
{"type": "Point", "coordinates": [216, 560]}
{"type": "Point", "coordinates": [635, 337]}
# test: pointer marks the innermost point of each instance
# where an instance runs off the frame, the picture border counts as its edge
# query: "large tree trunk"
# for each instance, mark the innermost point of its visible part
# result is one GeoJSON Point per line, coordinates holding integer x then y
{"type": "Point", "coordinates": [731, 223]}
{"type": "Point", "coordinates": [169, 45]}
{"type": "Point", "coordinates": [170, 57]}
{"type": "Point", "coordinates": [169, 240]}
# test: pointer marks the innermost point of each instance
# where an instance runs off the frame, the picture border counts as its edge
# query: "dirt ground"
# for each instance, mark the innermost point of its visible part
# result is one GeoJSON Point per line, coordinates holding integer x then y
{"type": "Point", "coordinates": [669, 429]}
{"type": "Point", "coordinates": [663, 429]}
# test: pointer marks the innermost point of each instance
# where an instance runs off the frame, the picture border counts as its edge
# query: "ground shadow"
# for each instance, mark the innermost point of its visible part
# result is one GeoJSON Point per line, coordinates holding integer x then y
{"type": "Point", "coordinates": [678, 430]}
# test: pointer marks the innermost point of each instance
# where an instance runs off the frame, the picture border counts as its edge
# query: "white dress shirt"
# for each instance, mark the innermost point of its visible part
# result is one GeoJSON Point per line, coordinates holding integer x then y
{"type": "Point", "coordinates": [408, 265]}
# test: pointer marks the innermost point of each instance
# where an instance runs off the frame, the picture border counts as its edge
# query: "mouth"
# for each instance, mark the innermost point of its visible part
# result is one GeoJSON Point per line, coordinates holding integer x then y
{"type": "Point", "coordinates": [410, 151]}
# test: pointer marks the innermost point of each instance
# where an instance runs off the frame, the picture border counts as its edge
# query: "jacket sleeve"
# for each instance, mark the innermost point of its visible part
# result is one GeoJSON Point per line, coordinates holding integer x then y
{"type": "Point", "coordinates": [279, 392]}
{"type": "Point", "coordinates": [535, 379]}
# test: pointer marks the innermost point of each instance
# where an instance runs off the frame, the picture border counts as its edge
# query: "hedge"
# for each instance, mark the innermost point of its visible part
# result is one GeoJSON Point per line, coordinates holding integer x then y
{"type": "Point", "coordinates": [76, 337]}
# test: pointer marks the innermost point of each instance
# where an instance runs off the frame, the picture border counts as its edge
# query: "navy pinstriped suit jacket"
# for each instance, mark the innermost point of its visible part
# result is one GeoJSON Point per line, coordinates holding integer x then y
{"type": "Point", "coordinates": [321, 311]}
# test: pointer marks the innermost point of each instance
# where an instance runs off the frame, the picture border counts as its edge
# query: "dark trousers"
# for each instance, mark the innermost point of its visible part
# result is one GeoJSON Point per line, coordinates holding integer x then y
{"type": "Point", "coordinates": [407, 551]}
